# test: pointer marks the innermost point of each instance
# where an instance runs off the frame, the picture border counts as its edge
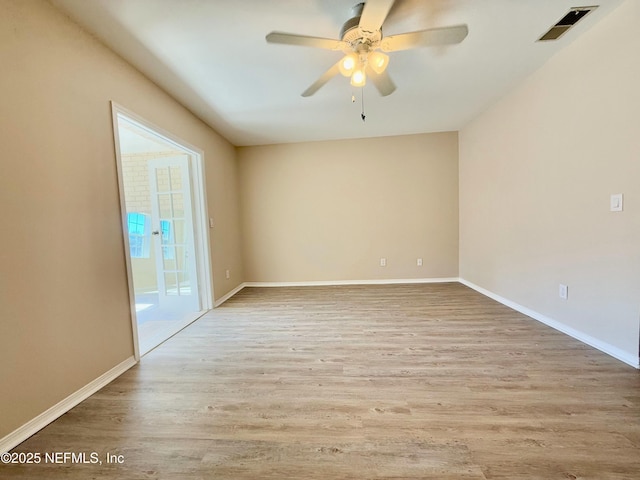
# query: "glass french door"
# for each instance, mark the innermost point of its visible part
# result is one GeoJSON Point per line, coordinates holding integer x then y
{"type": "Point", "coordinates": [172, 234]}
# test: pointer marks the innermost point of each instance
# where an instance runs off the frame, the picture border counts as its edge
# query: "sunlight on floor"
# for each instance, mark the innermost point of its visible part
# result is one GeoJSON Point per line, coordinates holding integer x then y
{"type": "Point", "coordinates": [143, 306]}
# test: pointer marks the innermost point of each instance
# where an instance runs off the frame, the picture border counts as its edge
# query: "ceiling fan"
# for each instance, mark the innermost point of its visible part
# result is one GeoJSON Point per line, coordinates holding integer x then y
{"type": "Point", "coordinates": [362, 42]}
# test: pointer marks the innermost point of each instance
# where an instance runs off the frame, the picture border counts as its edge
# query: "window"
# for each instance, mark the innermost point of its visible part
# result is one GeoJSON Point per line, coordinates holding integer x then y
{"type": "Point", "coordinates": [138, 224]}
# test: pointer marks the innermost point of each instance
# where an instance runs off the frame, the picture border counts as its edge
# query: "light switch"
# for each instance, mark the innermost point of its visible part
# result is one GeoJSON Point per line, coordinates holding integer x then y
{"type": "Point", "coordinates": [616, 202]}
{"type": "Point", "coordinates": [210, 222]}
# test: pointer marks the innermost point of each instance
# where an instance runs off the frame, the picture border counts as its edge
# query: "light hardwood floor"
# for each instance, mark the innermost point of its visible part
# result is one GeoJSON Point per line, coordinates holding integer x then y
{"type": "Point", "coordinates": [358, 382]}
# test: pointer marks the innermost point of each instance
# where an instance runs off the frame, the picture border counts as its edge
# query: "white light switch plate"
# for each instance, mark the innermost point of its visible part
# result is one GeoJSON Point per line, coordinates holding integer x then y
{"type": "Point", "coordinates": [616, 202]}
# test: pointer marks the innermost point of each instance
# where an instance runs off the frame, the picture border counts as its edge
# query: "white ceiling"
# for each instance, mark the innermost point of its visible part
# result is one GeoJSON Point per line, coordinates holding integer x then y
{"type": "Point", "coordinates": [212, 56]}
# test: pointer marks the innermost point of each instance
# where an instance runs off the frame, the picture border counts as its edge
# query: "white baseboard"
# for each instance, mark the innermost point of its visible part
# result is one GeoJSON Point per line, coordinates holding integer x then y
{"type": "Point", "coordinates": [221, 300]}
{"type": "Point", "coordinates": [19, 435]}
{"type": "Point", "coordinates": [321, 283]}
{"type": "Point", "coordinates": [604, 347]}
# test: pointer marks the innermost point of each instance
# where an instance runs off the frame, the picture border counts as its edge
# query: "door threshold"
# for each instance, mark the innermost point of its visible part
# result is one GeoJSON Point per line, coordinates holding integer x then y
{"type": "Point", "coordinates": [165, 334]}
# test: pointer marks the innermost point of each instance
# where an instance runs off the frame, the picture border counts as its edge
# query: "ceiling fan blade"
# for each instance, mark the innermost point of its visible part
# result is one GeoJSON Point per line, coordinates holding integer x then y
{"type": "Point", "coordinates": [305, 41]}
{"type": "Point", "coordinates": [382, 82]}
{"type": "Point", "coordinates": [324, 78]}
{"type": "Point", "coordinates": [374, 14]}
{"type": "Point", "coordinates": [425, 38]}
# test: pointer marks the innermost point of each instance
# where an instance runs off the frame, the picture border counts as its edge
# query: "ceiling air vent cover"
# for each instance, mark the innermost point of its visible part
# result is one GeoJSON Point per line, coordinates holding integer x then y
{"type": "Point", "coordinates": [569, 20]}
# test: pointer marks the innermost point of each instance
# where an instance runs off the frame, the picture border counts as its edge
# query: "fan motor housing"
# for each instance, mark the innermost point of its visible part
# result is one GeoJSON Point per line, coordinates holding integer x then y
{"type": "Point", "coordinates": [353, 34]}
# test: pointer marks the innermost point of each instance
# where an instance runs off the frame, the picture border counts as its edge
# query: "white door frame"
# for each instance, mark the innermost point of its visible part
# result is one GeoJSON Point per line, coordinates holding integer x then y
{"type": "Point", "coordinates": [200, 220]}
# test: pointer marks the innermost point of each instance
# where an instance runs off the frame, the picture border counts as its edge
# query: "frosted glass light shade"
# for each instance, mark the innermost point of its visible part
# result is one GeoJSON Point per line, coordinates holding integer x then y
{"type": "Point", "coordinates": [348, 64]}
{"type": "Point", "coordinates": [378, 61]}
{"type": "Point", "coordinates": [359, 78]}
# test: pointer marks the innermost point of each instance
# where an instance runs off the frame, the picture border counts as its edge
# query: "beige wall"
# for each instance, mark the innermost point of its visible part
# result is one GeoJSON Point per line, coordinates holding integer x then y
{"type": "Point", "coordinates": [536, 173]}
{"type": "Point", "coordinates": [330, 210]}
{"type": "Point", "coordinates": [64, 308]}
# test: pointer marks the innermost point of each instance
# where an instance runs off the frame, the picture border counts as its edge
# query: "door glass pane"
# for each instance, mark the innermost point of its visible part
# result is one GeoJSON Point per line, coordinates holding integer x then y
{"type": "Point", "coordinates": [170, 283]}
{"type": "Point", "coordinates": [164, 206]}
{"type": "Point", "coordinates": [181, 253]}
{"type": "Point", "coordinates": [176, 178]}
{"type": "Point", "coordinates": [178, 204]}
{"type": "Point", "coordinates": [169, 258]}
{"type": "Point", "coordinates": [167, 232]}
{"type": "Point", "coordinates": [185, 286]}
{"type": "Point", "coordinates": [162, 179]}
{"type": "Point", "coordinates": [179, 232]}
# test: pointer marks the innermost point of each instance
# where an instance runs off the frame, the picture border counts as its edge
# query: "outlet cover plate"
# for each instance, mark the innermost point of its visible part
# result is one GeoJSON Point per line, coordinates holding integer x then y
{"type": "Point", "coordinates": [616, 202]}
{"type": "Point", "coordinates": [563, 291]}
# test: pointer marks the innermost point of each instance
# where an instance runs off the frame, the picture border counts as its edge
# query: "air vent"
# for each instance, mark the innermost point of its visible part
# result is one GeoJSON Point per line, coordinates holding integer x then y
{"type": "Point", "coordinates": [569, 20]}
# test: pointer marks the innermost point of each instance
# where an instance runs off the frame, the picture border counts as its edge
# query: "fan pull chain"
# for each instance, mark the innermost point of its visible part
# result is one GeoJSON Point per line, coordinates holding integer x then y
{"type": "Point", "coordinates": [362, 115]}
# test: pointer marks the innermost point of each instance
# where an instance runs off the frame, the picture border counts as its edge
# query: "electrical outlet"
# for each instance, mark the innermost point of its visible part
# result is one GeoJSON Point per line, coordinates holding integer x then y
{"type": "Point", "coordinates": [383, 262]}
{"type": "Point", "coordinates": [419, 262]}
{"type": "Point", "coordinates": [227, 274]}
{"type": "Point", "coordinates": [616, 202]}
{"type": "Point", "coordinates": [563, 291]}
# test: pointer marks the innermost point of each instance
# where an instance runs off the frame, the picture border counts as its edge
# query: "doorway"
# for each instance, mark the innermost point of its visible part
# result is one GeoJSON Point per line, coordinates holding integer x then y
{"type": "Point", "coordinates": [164, 221]}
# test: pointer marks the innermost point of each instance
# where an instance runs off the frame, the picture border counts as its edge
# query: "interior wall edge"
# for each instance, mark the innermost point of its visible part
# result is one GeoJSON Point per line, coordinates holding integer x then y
{"type": "Point", "coordinates": [230, 294]}
{"type": "Point", "coordinates": [611, 350]}
{"type": "Point", "coordinates": [323, 283]}
{"type": "Point", "coordinates": [333, 283]}
{"type": "Point", "coordinates": [45, 418]}
{"type": "Point", "coordinates": [36, 424]}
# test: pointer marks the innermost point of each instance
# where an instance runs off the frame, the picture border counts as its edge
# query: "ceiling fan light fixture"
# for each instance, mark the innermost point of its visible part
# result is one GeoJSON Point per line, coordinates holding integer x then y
{"type": "Point", "coordinates": [378, 61]}
{"type": "Point", "coordinates": [362, 44]}
{"type": "Point", "coordinates": [359, 78]}
{"type": "Point", "coordinates": [348, 64]}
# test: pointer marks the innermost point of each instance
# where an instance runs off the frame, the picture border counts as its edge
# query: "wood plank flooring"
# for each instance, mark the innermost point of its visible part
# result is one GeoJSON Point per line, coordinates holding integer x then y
{"type": "Point", "coordinates": [358, 382]}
